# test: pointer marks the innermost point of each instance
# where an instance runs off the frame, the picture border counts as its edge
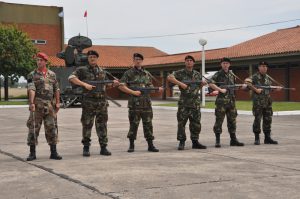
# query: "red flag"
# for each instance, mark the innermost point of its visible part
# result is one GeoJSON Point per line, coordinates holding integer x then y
{"type": "Point", "coordinates": [85, 14]}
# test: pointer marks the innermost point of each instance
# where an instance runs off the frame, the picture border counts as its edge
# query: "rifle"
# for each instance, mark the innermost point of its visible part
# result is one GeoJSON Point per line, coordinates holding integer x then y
{"type": "Point", "coordinates": [98, 85]}
{"type": "Point", "coordinates": [267, 89]}
{"type": "Point", "coordinates": [98, 88]}
{"type": "Point", "coordinates": [144, 90]}
{"type": "Point", "coordinates": [232, 87]}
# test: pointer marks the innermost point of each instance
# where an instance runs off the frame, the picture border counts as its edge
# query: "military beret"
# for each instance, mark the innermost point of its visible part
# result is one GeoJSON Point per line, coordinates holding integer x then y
{"type": "Point", "coordinates": [92, 52]}
{"type": "Point", "coordinates": [42, 56]}
{"type": "Point", "coordinates": [263, 63]}
{"type": "Point", "coordinates": [225, 59]}
{"type": "Point", "coordinates": [138, 55]}
{"type": "Point", "coordinates": [189, 57]}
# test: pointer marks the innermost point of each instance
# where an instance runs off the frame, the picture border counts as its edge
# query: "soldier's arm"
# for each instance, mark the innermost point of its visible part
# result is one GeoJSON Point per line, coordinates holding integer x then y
{"type": "Point", "coordinates": [214, 86]}
{"type": "Point", "coordinates": [74, 79]}
{"type": "Point", "coordinates": [249, 83]}
{"type": "Point", "coordinates": [31, 92]}
{"type": "Point", "coordinates": [124, 88]}
{"type": "Point", "coordinates": [171, 78]}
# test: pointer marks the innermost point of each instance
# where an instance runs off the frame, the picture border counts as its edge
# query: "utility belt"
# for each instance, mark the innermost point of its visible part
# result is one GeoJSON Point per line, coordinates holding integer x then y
{"type": "Point", "coordinates": [140, 102]}
{"type": "Point", "coordinates": [44, 105]}
{"type": "Point", "coordinates": [94, 96]}
{"type": "Point", "coordinates": [228, 99]}
{"type": "Point", "coordinates": [43, 97]}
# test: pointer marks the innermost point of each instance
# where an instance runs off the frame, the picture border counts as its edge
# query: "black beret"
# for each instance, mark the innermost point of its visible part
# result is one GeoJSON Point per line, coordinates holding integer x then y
{"type": "Point", "coordinates": [225, 59]}
{"type": "Point", "coordinates": [189, 57]}
{"type": "Point", "coordinates": [92, 52]}
{"type": "Point", "coordinates": [263, 63]}
{"type": "Point", "coordinates": [138, 55]}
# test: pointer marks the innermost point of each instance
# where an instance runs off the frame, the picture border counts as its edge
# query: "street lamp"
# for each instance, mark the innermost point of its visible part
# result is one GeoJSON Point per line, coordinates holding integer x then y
{"type": "Point", "coordinates": [203, 42]}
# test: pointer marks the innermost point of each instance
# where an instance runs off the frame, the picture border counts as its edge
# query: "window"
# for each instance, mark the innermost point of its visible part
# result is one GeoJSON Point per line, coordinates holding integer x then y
{"type": "Point", "coordinates": [39, 41]}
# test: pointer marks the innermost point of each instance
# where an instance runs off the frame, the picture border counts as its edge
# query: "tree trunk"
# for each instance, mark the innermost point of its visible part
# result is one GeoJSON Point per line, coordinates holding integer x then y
{"type": "Point", "coordinates": [6, 88]}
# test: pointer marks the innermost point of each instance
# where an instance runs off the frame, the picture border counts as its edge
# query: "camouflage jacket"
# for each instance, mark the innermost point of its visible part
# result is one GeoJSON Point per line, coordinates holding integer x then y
{"type": "Point", "coordinates": [264, 98]}
{"type": "Point", "coordinates": [138, 78]}
{"type": "Point", "coordinates": [44, 86]}
{"type": "Point", "coordinates": [228, 79]}
{"type": "Point", "coordinates": [189, 97]}
{"type": "Point", "coordinates": [90, 73]}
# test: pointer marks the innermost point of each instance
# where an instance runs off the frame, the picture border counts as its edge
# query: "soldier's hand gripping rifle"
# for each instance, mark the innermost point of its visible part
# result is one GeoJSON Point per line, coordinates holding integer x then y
{"type": "Point", "coordinates": [267, 89]}
{"type": "Point", "coordinates": [98, 88]}
{"type": "Point", "coordinates": [144, 90]}
{"type": "Point", "coordinates": [230, 88]}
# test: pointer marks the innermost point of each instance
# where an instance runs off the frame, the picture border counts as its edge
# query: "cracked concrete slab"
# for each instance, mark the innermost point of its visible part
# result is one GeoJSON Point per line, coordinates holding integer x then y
{"type": "Point", "coordinates": [264, 171]}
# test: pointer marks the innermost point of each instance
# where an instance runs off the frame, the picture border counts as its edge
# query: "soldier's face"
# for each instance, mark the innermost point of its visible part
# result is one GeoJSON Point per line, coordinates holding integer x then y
{"type": "Point", "coordinates": [92, 59]}
{"type": "Point", "coordinates": [189, 64]}
{"type": "Point", "coordinates": [137, 62]}
{"type": "Point", "coordinates": [41, 62]}
{"type": "Point", "coordinates": [225, 66]}
{"type": "Point", "coordinates": [263, 69]}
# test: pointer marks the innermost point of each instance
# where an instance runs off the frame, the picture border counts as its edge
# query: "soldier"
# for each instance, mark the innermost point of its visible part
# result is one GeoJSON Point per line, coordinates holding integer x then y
{"type": "Point", "coordinates": [225, 103]}
{"type": "Point", "coordinates": [94, 104]}
{"type": "Point", "coordinates": [44, 95]}
{"type": "Point", "coordinates": [189, 103]}
{"type": "Point", "coordinates": [139, 104]}
{"type": "Point", "coordinates": [262, 103]}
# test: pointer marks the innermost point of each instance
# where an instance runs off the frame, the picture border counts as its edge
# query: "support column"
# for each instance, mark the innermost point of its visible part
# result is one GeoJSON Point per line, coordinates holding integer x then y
{"type": "Point", "coordinates": [165, 74]}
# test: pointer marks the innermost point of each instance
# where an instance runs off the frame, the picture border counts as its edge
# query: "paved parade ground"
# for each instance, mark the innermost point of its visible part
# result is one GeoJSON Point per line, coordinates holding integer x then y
{"type": "Point", "coordinates": [265, 171]}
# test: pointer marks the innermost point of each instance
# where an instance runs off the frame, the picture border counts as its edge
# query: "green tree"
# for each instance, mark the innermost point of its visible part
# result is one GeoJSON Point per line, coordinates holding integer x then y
{"type": "Point", "coordinates": [16, 55]}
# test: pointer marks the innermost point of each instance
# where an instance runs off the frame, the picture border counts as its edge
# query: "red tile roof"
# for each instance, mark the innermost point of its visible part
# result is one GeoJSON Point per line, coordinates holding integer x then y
{"type": "Point", "coordinates": [282, 41]}
{"type": "Point", "coordinates": [115, 56]}
{"type": "Point", "coordinates": [278, 42]}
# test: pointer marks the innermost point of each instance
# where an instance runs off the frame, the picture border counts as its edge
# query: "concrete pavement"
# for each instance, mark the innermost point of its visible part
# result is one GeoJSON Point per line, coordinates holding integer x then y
{"type": "Point", "coordinates": [265, 171]}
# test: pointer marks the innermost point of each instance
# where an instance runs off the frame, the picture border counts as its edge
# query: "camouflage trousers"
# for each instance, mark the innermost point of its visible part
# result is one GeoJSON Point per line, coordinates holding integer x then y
{"type": "Point", "coordinates": [135, 115]}
{"type": "Point", "coordinates": [228, 109]}
{"type": "Point", "coordinates": [44, 111]}
{"type": "Point", "coordinates": [194, 116]}
{"type": "Point", "coordinates": [94, 110]}
{"type": "Point", "coordinates": [264, 113]}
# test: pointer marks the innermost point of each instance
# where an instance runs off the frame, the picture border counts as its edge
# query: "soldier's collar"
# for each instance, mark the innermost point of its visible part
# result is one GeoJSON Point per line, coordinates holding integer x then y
{"type": "Point", "coordinates": [189, 71]}
{"type": "Point", "coordinates": [90, 66]}
{"type": "Point", "coordinates": [139, 70]}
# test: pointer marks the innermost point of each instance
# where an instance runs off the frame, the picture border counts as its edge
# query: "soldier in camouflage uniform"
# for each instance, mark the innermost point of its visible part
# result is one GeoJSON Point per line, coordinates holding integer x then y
{"type": "Point", "coordinates": [188, 104]}
{"type": "Point", "coordinates": [139, 104]}
{"type": "Point", "coordinates": [44, 104]}
{"type": "Point", "coordinates": [225, 103]}
{"type": "Point", "coordinates": [94, 104]}
{"type": "Point", "coordinates": [262, 104]}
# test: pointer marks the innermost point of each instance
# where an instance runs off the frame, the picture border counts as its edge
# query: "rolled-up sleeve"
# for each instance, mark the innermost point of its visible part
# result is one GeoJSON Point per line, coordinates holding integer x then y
{"type": "Point", "coordinates": [75, 73]}
{"type": "Point", "coordinates": [30, 83]}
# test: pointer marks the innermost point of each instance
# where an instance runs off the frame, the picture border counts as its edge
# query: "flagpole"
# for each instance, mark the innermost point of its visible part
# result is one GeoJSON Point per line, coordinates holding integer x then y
{"type": "Point", "coordinates": [87, 28]}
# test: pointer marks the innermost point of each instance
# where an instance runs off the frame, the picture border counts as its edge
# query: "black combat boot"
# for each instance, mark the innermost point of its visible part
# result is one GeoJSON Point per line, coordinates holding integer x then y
{"type": "Point", "coordinates": [104, 151]}
{"type": "Point", "coordinates": [131, 146]}
{"type": "Point", "coordinates": [218, 143]}
{"type": "Point", "coordinates": [86, 151]}
{"type": "Point", "coordinates": [181, 145]}
{"type": "Point", "coordinates": [197, 145]}
{"type": "Point", "coordinates": [32, 155]}
{"type": "Point", "coordinates": [151, 147]}
{"type": "Point", "coordinates": [54, 155]}
{"type": "Point", "coordinates": [268, 139]}
{"type": "Point", "coordinates": [257, 140]}
{"type": "Point", "coordinates": [234, 141]}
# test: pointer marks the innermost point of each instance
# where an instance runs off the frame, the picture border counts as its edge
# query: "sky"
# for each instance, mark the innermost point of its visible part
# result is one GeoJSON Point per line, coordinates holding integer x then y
{"type": "Point", "coordinates": [135, 18]}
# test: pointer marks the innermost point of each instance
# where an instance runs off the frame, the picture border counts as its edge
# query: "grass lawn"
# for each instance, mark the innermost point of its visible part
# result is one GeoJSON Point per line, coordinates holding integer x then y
{"type": "Point", "coordinates": [247, 105]}
{"type": "Point", "coordinates": [13, 103]}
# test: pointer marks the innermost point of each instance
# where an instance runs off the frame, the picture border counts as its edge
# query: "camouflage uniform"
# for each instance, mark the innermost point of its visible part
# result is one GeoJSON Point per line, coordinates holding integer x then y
{"type": "Point", "coordinates": [225, 103]}
{"type": "Point", "coordinates": [188, 105]}
{"type": "Point", "coordinates": [45, 88]}
{"type": "Point", "coordinates": [94, 105]}
{"type": "Point", "coordinates": [262, 105]}
{"type": "Point", "coordinates": [139, 107]}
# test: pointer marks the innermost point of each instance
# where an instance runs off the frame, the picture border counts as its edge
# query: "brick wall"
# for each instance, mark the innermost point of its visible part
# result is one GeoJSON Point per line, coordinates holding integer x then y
{"type": "Point", "coordinates": [50, 33]}
{"type": "Point", "coordinates": [295, 83]}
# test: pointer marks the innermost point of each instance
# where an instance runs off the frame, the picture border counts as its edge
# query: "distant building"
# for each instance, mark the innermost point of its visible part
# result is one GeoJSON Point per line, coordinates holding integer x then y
{"type": "Point", "coordinates": [41, 23]}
